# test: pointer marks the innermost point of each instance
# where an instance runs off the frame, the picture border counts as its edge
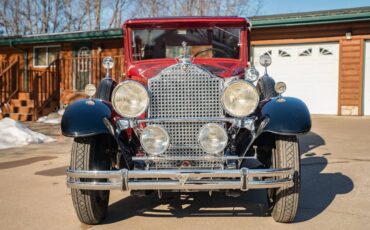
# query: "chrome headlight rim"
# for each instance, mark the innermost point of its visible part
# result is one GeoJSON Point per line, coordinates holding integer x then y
{"type": "Point", "coordinates": [230, 84]}
{"type": "Point", "coordinates": [164, 132]}
{"type": "Point", "coordinates": [128, 82]}
{"type": "Point", "coordinates": [201, 143]}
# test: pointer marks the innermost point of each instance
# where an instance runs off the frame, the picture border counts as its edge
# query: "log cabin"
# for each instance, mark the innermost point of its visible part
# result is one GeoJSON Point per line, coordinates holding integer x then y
{"type": "Point", "coordinates": [41, 73]}
{"type": "Point", "coordinates": [324, 57]}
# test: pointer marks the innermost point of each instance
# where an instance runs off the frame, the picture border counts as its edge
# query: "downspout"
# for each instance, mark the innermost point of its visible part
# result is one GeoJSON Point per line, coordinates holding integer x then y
{"type": "Point", "coordinates": [25, 57]}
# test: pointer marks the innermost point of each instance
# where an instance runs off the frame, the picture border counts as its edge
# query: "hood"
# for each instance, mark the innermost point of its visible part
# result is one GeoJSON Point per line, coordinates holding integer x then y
{"type": "Point", "coordinates": [148, 69]}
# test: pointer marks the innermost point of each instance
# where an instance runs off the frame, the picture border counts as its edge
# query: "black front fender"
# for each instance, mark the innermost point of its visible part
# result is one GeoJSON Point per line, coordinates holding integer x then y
{"type": "Point", "coordinates": [85, 118]}
{"type": "Point", "coordinates": [287, 115]}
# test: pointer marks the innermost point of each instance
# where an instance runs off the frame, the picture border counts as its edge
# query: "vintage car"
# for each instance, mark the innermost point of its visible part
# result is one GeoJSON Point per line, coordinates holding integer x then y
{"type": "Point", "coordinates": [192, 115]}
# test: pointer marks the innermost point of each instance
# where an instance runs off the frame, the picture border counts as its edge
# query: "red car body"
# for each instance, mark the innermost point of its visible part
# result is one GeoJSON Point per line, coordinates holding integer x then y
{"type": "Point", "coordinates": [223, 67]}
{"type": "Point", "coordinates": [109, 151]}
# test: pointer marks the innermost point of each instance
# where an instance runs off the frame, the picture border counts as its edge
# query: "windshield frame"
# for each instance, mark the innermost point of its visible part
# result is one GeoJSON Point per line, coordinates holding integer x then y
{"type": "Point", "coordinates": [242, 41]}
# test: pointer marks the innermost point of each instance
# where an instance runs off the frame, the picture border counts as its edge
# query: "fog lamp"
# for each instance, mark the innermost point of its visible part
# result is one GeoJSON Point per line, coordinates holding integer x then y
{"type": "Point", "coordinates": [265, 60]}
{"type": "Point", "coordinates": [90, 90]}
{"type": "Point", "coordinates": [154, 139]}
{"type": "Point", "coordinates": [212, 138]}
{"type": "Point", "coordinates": [280, 87]}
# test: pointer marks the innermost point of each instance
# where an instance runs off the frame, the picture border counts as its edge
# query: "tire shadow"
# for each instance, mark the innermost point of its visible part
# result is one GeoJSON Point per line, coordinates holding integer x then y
{"type": "Point", "coordinates": [181, 205]}
{"type": "Point", "coordinates": [318, 191]}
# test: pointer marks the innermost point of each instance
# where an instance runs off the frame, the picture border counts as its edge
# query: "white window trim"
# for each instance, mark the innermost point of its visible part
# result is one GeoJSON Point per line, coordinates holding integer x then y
{"type": "Point", "coordinates": [47, 55]}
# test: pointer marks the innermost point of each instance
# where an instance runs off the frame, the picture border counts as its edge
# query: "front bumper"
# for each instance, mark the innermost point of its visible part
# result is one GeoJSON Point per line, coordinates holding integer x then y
{"type": "Point", "coordinates": [180, 179]}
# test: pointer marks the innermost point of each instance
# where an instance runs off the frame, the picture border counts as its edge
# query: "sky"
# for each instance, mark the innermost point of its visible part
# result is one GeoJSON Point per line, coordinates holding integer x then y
{"type": "Point", "coordinates": [296, 6]}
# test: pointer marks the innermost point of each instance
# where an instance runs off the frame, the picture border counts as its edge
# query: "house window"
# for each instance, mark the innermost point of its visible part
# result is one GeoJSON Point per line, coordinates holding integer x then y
{"type": "Point", "coordinates": [83, 68]}
{"type": "Point", "coordinates": [45, 55]}
{"type": "Point", "coordinates": [268, 53]}
{"type": "Point", "coordinates": [283, 53]}
{"type": "Point", "coordinates": [305, 53]}
{"type": "Point", "coordinates": [324, 51]}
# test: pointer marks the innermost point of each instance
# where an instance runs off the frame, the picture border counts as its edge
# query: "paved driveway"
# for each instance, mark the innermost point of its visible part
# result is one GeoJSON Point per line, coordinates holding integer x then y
{"type": "Point", "coordinates": [335, 189]}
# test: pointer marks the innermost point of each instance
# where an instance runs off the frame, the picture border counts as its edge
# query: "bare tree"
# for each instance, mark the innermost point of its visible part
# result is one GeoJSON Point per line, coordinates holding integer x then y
{"type": "Point", "coordinates": [10, 18]}
{"type": "Point", "coordinates": [116, 18]}
{"type": "Point", "coordinates": [40, 16]}
{"type": "Point", "coordinates": [157, 8]}
{"type": "Point", "coordinates": [88, 10]}
{"type": "Point", "coordinates": [19, 17]}
{"type": "Point", "coordinates": [97, 11]}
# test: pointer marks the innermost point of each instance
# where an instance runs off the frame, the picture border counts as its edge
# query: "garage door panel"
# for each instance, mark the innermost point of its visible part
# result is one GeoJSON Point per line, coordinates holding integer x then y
{"type": "Point", "coordinates": [310, 72]}
{"type": "Point", "coordinates": [367, 79]}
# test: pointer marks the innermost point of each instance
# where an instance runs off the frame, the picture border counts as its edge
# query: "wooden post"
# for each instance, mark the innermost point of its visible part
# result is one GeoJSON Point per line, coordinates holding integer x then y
{"type": "Point", "coordinates": [36, 96]}
{"type": "Point", "coordinates": [17, 74]}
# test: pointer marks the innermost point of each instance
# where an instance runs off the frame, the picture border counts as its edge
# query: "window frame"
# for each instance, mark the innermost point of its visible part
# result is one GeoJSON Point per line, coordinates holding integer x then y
{"type": "Point", "coordinates": [325, 52]}
{"type": "Point", "coordinates": [303, 53]}
{"type": "Point", "coordinates": [130, 42]}
{"type": "Point", "coordinates": [283, 54]}
{"type": "Point", "coordinates": [47, 55]}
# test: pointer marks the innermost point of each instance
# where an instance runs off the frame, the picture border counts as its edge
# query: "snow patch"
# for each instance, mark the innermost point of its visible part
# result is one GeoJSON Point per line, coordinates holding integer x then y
{"type": "Point", "coordinates": [49, 120]}
{"type": "Point", "coordinates": [14, 134]}
{"type": "Point", "coordinates": [52, 118]}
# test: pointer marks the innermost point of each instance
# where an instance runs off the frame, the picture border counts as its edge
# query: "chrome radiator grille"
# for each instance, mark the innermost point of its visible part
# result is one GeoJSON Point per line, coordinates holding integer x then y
{"type": "Point", "coordinates": [176, 93]}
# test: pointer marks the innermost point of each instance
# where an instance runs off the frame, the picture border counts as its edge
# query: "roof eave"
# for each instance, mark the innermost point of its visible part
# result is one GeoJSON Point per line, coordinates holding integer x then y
{"type": "Point", "coordinates": [63, 37]}
{"type": "Point", "coordinates": [310, 21]}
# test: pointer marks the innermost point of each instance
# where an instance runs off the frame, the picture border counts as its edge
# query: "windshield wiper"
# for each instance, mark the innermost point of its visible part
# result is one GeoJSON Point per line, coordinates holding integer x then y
{"type": "Point", "coordinates": [223, 30]}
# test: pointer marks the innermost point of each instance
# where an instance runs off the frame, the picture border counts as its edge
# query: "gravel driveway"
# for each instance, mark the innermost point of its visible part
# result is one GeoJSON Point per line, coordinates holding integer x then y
{"type": "Point", "coordinates": [335, 189]}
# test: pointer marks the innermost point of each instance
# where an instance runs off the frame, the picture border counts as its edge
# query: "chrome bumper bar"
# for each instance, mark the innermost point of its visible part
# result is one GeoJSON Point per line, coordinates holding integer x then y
{"type": "Point", "coordinates": [181, 179]}
{"type": "Point", "coordinates": [247, 122]}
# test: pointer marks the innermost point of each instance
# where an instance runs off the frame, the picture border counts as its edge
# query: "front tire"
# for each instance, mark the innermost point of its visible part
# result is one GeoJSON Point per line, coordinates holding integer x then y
{"type": "Point", "coordinates": [88, 154]}
{"type": "Point", "coordinates": [283, 202]}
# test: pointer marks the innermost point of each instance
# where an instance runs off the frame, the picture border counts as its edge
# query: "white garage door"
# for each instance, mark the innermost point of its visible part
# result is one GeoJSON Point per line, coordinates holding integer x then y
{"type": "Point", "coordinates": [367, 79]}
{"type": "Point", "coordinates": [309, 70]}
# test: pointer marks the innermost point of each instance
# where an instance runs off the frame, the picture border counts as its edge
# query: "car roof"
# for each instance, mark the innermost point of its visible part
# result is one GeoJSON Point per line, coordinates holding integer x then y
{"type": "Point", "coordinates": [188, 21]}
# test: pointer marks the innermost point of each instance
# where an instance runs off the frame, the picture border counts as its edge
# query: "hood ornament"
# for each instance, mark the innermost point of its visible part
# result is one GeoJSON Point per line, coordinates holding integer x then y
{"type": "Point", "coordinates": [185, 58]}
{"type": "Point", "coordinates": [184, 48]}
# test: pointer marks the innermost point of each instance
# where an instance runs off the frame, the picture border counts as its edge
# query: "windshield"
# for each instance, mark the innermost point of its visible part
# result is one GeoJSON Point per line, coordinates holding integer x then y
{"type": "Point", "coordinates": [204, 43]}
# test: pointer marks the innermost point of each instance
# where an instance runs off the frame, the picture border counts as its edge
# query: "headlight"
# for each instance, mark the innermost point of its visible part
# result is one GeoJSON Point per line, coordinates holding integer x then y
{"type": "Point", "coordinates": [240, 98]}
{"type": "Point", "coordinates": [212, 138]}
{"type": "Point", "coordinates": [130, 99]}
{"type": "Point", "coordinates": [154, 139]}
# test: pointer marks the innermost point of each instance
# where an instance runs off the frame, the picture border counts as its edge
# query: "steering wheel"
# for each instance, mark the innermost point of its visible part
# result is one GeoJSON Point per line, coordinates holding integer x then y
{"type": "Point", "coordinates": [213, 49]}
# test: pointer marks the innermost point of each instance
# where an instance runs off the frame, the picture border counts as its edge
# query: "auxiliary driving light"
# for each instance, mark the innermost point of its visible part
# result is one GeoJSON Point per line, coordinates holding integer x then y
{"type": "Point", "coordinates": [90, 90]}
{"type": "Point", "coordinates": [154, 139]}
{"type": "Point", "coordinates": [212, 138]}
{"type": "Point", "coordinates": [265, 60]}
{"type": "Point", "coordinates": [280, 87]}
